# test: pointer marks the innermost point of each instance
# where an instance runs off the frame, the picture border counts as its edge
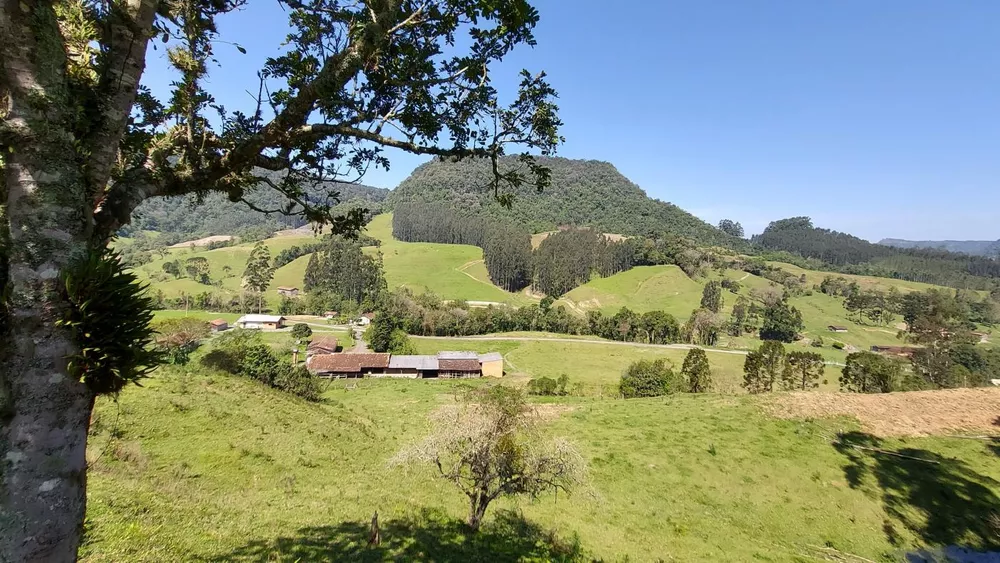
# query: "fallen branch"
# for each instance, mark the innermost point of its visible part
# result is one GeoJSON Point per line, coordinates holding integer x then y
{"type": "Point", "coordinates": [974, 437]}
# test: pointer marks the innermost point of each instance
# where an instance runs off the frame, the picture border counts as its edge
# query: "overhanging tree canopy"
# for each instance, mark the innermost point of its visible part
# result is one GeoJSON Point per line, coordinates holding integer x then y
{"type": "Point", "coordinates": [82, 144]}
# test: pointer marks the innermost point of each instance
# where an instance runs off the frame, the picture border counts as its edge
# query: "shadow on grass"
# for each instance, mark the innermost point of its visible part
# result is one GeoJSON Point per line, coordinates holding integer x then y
{"type": "Point", "coordinates": [430, 537]}
{"type": "Point", "coordinates": [941, 500]}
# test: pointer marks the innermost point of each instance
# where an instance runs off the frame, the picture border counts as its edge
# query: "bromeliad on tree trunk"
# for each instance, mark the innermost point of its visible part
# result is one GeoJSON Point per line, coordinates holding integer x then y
{"type": "Point", "coordinates": [82, 144]}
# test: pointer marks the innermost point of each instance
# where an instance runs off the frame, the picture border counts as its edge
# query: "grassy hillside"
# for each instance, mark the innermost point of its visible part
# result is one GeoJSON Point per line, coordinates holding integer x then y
{"type": "Point", "coordinates": [197, 466]}
{"type": "Point", "coordinates": [453, 271]}
{"type": "Point", "coordinates": [226, 266]}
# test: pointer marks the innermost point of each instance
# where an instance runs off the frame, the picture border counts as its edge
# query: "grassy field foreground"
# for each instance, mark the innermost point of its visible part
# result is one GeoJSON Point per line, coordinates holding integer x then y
{"type": "Point", "coordinates": [198, 466]}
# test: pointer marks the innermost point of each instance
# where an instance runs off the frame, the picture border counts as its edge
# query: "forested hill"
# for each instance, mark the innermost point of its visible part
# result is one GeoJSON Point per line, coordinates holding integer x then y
{"type": "Point", "coordinates": [586, 193]}
{"type": "Point", "coordinates": [184, 217]}
{"type": "Point", "coordinates": [851, 254]}
{"type": "Point", "coordinates": [974, 247]}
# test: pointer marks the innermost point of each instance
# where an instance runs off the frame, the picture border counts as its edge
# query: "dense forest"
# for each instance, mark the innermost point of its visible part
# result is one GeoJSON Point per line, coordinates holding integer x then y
{"type": "Point", "coordinates": [190, 217]}
{"type": "Point", "coordinates": [849, 254]}
{"type": "Point", "coordinates": [583, 193]}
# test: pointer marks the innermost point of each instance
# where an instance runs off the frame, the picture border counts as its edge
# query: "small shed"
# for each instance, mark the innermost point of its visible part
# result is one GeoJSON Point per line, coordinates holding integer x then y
{"type": "Point", "coordinates": [348, 365]}
{"type": "Point", "coordinates": [270, 322]}
{"type": "Point", "coordinates": [491, 364]}
{"type": "Point", "coordinates": [329, 315]}
{"type": "Point", "coordinates": [218, 325]}
{"type": "Point", "coordinates": [288, 291]}
{"type": "Point", "coordinates": [835, 328]}
{"type": "Point", "coordinates": [322, 345]}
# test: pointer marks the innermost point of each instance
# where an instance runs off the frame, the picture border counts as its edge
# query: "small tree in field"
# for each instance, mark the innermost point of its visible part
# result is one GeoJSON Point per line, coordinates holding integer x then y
{"type": "Point", "coordinates": [763, 367]}
{"type": "Point", "coordinates": [301, 330]}
{"type": "Point", "coordinates": [697, 372]}
{"type": "Point", "coordinates": [802, 370]}
{"type": "Point", "coordinates": [867, 372]}
{"type": "Point", "coordinates": [489, 446]}
{"type": "Point", "coordinates": [711, 296]}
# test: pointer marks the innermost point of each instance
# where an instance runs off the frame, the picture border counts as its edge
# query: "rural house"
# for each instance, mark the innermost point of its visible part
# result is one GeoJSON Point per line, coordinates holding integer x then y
{"type": "Point", "coordinates": [269, 322]}
{"type": "Point", "coordinates": [218, 325]}
{"type": "Point", "coordinates": [491, 364]}
{"type": "Point", "coordinates": [904, 351]}
{"type": "Point", "coordinates": [459, 364]}
{"type": "Point", "coordinates": [347, 365]}
{"type": "Point", "coordinates": [329, 315]}
{"type": "Point", "coordinates": [287, 291]}
{"type": "Point", "coordinates": [834, 328]}
{"type": "Point", "coordinates": [322, 345]}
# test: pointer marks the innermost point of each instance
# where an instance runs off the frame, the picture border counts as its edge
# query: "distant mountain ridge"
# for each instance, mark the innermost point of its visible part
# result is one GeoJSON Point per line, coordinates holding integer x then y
{"type": "Point", "coordinates": [972, 247]}
{"type": "Point", "coordinates": [188, 217]}
{"type": "Point", "coordinates": [587, 193]}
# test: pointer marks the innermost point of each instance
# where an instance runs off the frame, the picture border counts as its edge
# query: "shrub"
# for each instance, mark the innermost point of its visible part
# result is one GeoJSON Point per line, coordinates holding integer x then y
{"type": "Point", "coordinates": [298, 381]}
{"type": "Point", "coordinates": [817, 342]}
{"type": "Point", "coordinates": [544, 386]}
{"type": "Point", "coordinates": [839, 345]}
{"type": "Point", "coordinates": [301, 330]}
{"type": "Point", "coordinates": [647, 378]}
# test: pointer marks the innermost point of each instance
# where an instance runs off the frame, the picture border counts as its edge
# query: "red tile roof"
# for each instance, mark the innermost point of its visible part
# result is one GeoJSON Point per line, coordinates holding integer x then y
{"type": "Point", "coordinates": [323, 345]}
{"type": "Point", "coordinates": [459, 365]}
{"type": "Point", "coordinates": [218, 322]}
{"type": "Point", "coordinates": [347, 363]}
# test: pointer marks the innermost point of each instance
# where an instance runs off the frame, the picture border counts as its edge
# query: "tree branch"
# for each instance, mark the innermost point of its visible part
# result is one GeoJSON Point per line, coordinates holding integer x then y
{"type": "Point", "coordinates": [130, 29]}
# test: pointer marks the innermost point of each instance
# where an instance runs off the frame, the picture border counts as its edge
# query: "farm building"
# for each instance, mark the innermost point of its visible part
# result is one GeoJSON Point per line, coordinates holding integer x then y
{"type": "Point", "coordinates": [322, 345]}
{"type": "Point", "coordinates": [329, 315]}
{"type": "Point", "coordinates": [218, 325]}
{"type": "Point", "coordinates": [905, 351]}
{"type": "Point", "coordinates": [459, 364]}
{"type": "Point", "coordinates": [288, 291]}
{"type": "Point", "coordinates": [491, 364]}
{"type": "Point", "coordinates": [835, 328]}
{"type": "Point", "coordinates": [348, 365]}
{"type": "Point", "coordinates": [271, 322]}
{"type": "Point", "coordinates": [412, 366]}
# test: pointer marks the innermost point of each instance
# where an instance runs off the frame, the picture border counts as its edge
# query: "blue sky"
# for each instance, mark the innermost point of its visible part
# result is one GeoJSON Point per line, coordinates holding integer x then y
{"type": "Point", "coordinates": [881, 119]}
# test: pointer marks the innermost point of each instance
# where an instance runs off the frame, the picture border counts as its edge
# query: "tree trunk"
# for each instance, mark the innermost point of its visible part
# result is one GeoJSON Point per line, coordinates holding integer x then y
{"type": "Point", "coordinates": [44, 413]}
{"type": "Point", "coordinates": [477, 509]}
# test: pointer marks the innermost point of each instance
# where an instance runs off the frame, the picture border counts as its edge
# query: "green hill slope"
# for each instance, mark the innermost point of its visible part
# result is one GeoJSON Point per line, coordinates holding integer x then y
{"type": "Point", "coordinates": [583, 193]}
{"type": "Point", "coordinates": [197, 466]}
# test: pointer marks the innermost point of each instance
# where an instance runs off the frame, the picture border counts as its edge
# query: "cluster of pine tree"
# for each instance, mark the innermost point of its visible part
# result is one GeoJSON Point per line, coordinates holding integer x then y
{"type": "Point", "coordinates": [340, 267]}
{"type": "Point", "coordinates": [568, 258]}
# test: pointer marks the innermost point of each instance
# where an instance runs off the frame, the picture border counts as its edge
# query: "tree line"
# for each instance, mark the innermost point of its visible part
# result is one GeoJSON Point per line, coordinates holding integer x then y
{"type": "Point", "coordinates": [832, 250]}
